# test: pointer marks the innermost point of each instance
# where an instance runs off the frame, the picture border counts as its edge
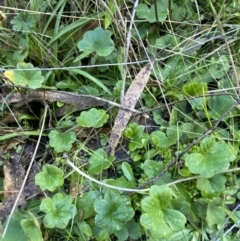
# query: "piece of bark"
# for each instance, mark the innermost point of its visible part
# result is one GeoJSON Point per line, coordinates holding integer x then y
{"type": "Point", "coordinates": [77, 101]}
{"type": "Point", "coordinates": [129, 101]}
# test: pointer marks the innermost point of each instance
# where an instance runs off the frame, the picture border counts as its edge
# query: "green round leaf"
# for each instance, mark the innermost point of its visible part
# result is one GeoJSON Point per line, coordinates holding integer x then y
{"type": "Point", "coordinates": [92, 118]}
{"type": "Point", "coordinates": [59, 210]}
{"type": "Point", "coordinates": [144, 12]}
{"type": "Point", "coordinates": [212, 185]}
{"type": "Point", "coordinates": [162, 140]}
{"type": "Point", "coordinates": [214, 157]}
{"type": "Point", "coordinates": [113, 211]}
{"type": "Point", "coordinates": [219, 105]}
{"type": "Point", "coordinates": [31, 229]}
{"type": "Point", "coordinates": [28, 75]}
{"type": "Point", "coordinates": [160, 220]}
{"type": "Point", "coordinates": [23, 21]}
{"type": "Point", "coordinates": [61, 141]}
{"type": "Point", "coordinates": [154, 222]}
{"type": "Point", "coordinates": [215, 212]}
{"type": "Point", "coordinates": [159, 194]}
{"type": "Point", "coordinates": [50, 178]}
{"type": "Point", "coordinates": [98, 41]}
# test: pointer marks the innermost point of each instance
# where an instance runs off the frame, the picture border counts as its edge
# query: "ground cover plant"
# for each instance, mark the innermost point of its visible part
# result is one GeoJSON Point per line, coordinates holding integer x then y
{"type": "Point", "coordinates": [119, 120]}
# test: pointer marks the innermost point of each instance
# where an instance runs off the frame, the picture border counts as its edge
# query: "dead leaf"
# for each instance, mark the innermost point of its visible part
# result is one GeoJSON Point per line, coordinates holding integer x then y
{"type": "Point", "coordinates": [129, 101]}
{"type": "Point", "coordinates": [13, 178]}
{"type": "Point", "coordinates": [9, 145]}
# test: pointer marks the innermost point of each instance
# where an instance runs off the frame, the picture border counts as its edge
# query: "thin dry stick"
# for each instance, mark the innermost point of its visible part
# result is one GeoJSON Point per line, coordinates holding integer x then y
{"type": "Point", "coordinates": [27, 173]}
{"type": "Point", "coordinates": [128, 42]}
{"type": "Point", "coordinates": [141, 191]}
{"type": "Point", "coordinates": [198, 12]}
{"type": "Point", "coordinates": [119, 13]}
{"type": "Point", "coordinates": [227, 45]}
{"type": "Point", "coordinates": [172, 163]}
{"type": "Point", "coordinates": [75, 168]}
